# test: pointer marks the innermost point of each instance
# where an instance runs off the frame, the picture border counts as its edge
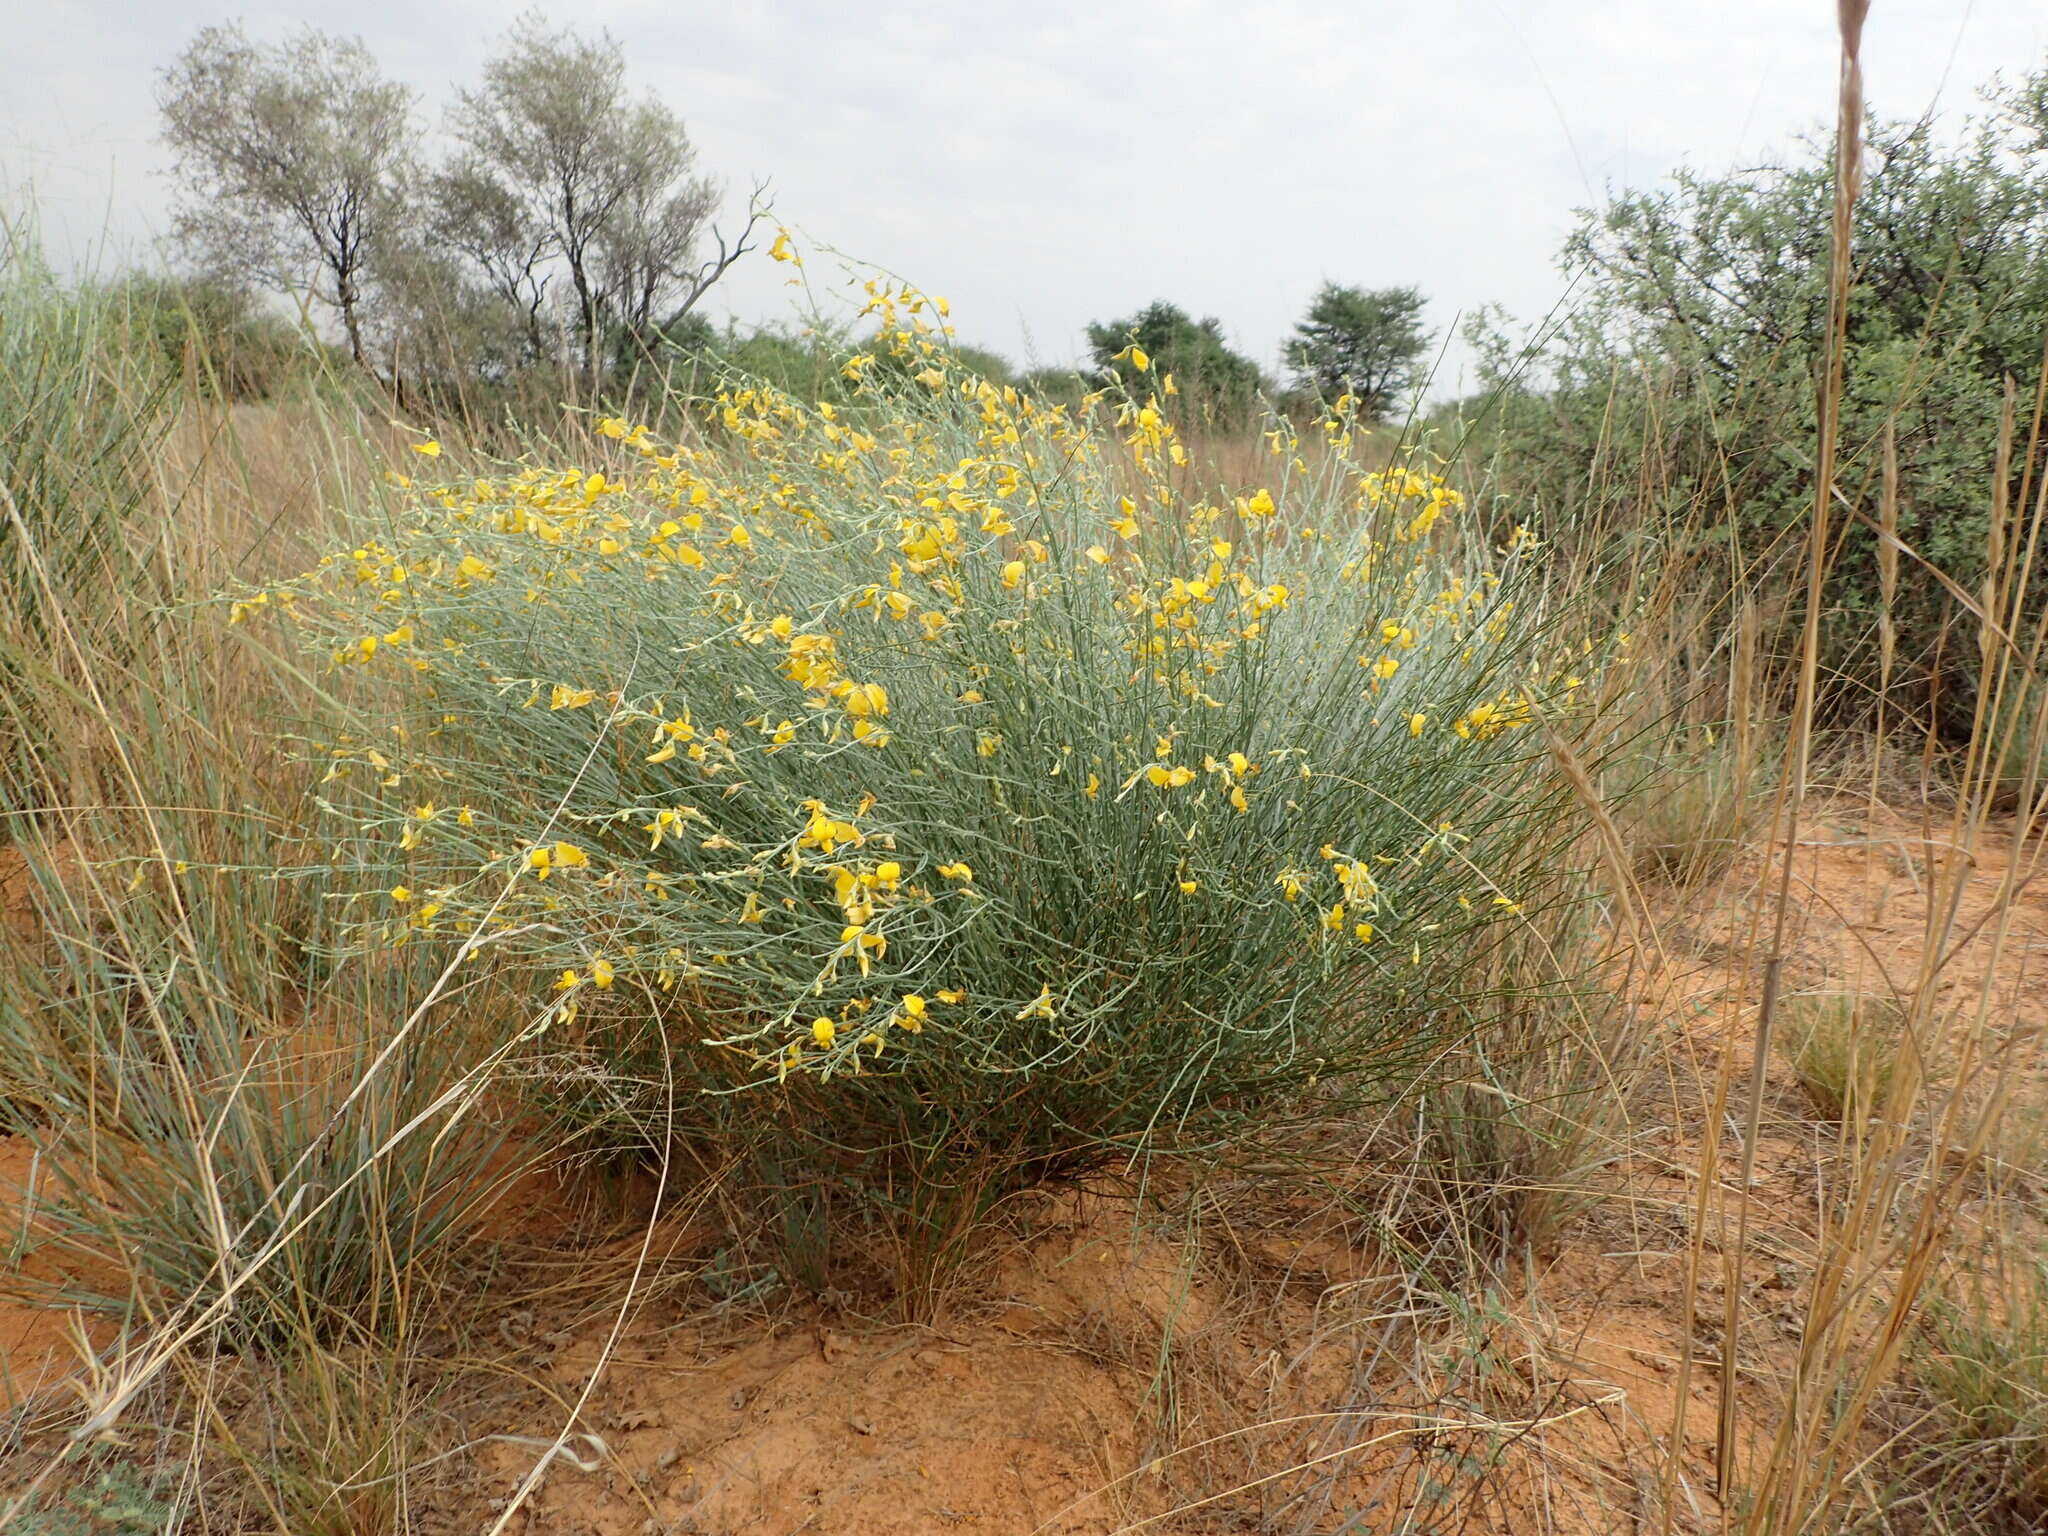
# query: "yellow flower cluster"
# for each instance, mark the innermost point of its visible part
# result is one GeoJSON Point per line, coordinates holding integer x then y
{"type": "Point", "coordinates": [785, 686]}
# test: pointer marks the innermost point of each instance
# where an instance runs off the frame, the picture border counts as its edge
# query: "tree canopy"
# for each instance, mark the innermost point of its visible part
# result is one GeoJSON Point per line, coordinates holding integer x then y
{"type": "Point", "coordinates": [1368, 343]}
{"type": "Point", "coordinates": [289, 163]}
{"type": "Point", "coordinates": [570, 224]}
{"type": "Point", "coordinates": [1213, 381]}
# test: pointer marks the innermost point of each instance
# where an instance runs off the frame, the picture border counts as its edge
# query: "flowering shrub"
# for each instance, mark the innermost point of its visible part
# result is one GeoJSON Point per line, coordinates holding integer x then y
{"type": "Point", "coordinates": [946, 751]}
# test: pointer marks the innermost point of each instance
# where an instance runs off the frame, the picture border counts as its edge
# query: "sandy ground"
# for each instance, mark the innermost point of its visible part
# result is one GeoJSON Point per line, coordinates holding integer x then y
{"type": "Point", "coordinates": [1192, 1358]}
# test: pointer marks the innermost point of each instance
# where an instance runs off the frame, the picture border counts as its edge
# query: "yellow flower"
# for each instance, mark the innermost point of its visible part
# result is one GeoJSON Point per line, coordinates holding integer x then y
{"type": "Point", "coordinates": [1416, 723]}
{"type": "Point", "coordinates": [865, 699]}
{"type": "Point", "coordinates": [401, 893]}
{"type": "Point", "coordinates": [955, 872]}
{"type": "Point", "coordinates": [1189, 887]}
{"type": "Point", "coordinates": [823, 1031]}
{"type": "Point", "coordinates": [429, 449]}
{"type": "Point", "coordinates": [601, 972]}
{"type": "Point", "coordinates": [952, 995]}
{"type": "Point", "coordinates": [1364, 932]}
{"type": "Point", "coordinates": [1043, 1006]}
{"type": "Point", "coordinates": [1170, 778]}
{"type": "Point", "coordinates": [1093, 786]}
{"type": "Point", "coordinates": [473, 569]}
{"type": "Point", "coordinates": [1139, 360]}
{"type": "Point", "coordinates": [569, 856]}
{"type": "Point", "coordinates": [1013, 572]}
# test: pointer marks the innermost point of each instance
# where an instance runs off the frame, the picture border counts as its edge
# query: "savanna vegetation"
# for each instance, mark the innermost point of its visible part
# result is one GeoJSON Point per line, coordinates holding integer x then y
{"type": "Point", "coordinates": [612, 923]}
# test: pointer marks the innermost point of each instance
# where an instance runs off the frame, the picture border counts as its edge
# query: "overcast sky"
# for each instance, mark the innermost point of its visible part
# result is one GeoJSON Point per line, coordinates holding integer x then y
{"type": "Point", "coordinates": [1048, 162]}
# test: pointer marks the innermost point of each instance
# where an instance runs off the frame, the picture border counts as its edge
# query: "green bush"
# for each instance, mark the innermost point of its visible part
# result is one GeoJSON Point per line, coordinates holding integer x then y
{"type": "Point", "coordinates": [218, 336]}
{"type": "Point", "coordinates": [1679, 398]}
{"type": "Point", "coordinates": [928, 776]}
{"type": "Point", "coordinates": [119, 1501]}
{"type": "Point", "coordinates": [1216, 386]}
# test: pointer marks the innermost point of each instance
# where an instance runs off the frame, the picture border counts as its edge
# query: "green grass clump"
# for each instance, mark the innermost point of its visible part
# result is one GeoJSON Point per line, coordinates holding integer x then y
{"type": "Point", "coordinates": [1692, 820]}
{"type": "Point", "coordinates": [210, 1152]}
{"type": "Point", "coordinates": [1843, 1047]}
{"type": "Point", "coordinates": [216, 1151]}
{"type": "Point", "coordinates": [2018, 746]}
{"type": "Point", "coordinates": [1976, 1451]}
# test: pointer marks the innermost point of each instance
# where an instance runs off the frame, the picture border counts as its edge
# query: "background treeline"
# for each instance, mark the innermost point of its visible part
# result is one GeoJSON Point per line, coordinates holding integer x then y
{"type": "Point", "coordinates": [564, 234]}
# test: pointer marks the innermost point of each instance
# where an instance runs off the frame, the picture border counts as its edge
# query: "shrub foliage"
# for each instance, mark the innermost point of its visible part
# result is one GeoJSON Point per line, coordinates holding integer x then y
{"type": "Point", "coordinates": [1694, 354]}
{"type": "Point", "coordinates": [943, 768]}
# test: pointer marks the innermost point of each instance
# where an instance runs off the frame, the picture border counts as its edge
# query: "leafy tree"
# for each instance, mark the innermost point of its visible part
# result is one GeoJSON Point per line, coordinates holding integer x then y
{"type": "Point", "coordinates": [1368, 343]}
{"type": "Point", "coordinates": [472, 215]}
{"type": "Point", "coordinates": [1696, 356]}
{"type": "Point", "coordinates": [566, 184]}
{"type": "Point", "coordinates": [288, 161]}
{"type": "Point", "coordinates": [1215, 383]}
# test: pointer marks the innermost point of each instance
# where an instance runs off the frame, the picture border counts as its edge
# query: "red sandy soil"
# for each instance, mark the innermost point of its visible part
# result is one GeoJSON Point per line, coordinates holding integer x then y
{"type": "Point", "coordinates": [1109, 1365]}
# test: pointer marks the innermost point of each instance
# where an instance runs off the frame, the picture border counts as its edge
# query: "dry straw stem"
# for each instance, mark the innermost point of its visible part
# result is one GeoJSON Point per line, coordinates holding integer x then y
{"type": "Point", "coordinates": [1790, 800]}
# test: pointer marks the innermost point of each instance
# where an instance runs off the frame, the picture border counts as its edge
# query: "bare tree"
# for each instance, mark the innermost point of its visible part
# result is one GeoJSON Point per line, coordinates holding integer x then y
{"type": "Point", "coordinates": [288, 157]}
{"type": "Point", "coordinates": [568, 166]}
